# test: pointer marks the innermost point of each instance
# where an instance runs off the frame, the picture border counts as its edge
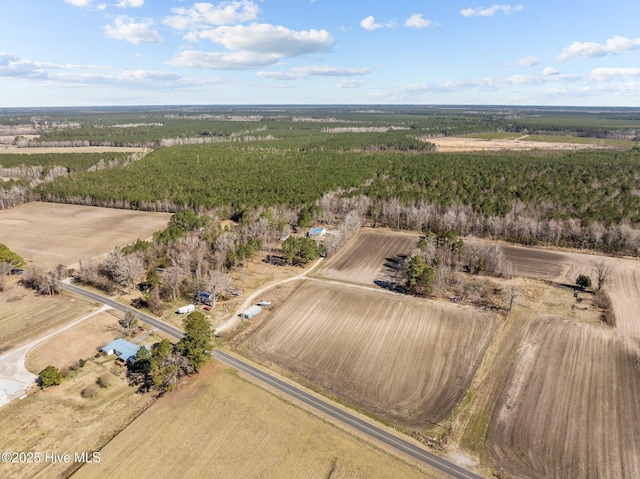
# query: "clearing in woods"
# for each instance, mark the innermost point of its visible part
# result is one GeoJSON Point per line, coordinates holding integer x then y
{"type": "Point", "coordinates": [221, 425]}
{"type": "Point", "coordinates": [403, 359]}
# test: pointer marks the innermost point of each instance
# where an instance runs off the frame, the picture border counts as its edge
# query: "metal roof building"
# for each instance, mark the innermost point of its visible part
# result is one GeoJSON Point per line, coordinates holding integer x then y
{"type": "Point", "coordinates": [316, 231]}
{"type": "Point", "coordinates": [122, 348]}
{"type": "Point", "coordinates": [251, 312]}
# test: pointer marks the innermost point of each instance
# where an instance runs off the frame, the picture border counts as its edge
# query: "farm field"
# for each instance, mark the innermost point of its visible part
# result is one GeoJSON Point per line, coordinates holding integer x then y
{"type": "Point", "coordinates": [403, 359]}
{"type": "Point", "coordinates": [25, 316]}
{"type": "Point", "coordinates": [363, 259]}
{"type": "Point", "coordinates": [49, 234]}
{"type": "Point", "coordinates": [521, 143]}
{"type": "Point", "coordinates": [60, 420]}
{"type": "Point", "coordinates": [76, 149]}
{"type": "Point", "coordinates": [571, 406]}
{"type": "Point", "coordinates": [548, 390]}
{"type": "Point", "coordinates": [564, 267]}
{"type": "Point", "coordinates": [221, 425]}
{"type": "Point", "coordinates": [80, 342]}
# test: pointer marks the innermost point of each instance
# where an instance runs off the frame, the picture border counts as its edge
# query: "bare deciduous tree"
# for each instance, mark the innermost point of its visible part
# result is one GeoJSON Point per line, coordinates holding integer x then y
{"type": "Point", "coordinates": [603, 275]}
{"type": "Point", "coordinates": [124, 268]}
{"type": "Point", "coordinates": [216, 283]}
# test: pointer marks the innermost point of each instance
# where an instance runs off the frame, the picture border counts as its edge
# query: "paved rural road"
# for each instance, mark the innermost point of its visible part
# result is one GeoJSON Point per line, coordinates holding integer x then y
{"type": "Point", "coordinates": [363, 426]}
{"type": "Point", "coordinates": [145, 318]}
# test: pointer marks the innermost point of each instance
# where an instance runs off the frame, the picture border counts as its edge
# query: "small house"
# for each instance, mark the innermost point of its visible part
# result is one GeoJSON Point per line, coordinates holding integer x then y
{"type": "Point", "coordinates": [125, 350]}
{"type": "Point", "coordinates": [316, 232]}
{"type": "Point", "coordinates": [251, 312]}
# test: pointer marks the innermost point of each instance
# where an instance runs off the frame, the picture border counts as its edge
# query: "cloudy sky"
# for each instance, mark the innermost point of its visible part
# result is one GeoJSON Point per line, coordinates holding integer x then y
{"type": "Point", "coordinates": [167, 52]}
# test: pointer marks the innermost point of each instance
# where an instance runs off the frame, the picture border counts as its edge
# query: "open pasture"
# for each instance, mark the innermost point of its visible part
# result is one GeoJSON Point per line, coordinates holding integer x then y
{"type": "Point", "coordinates": [59, 420]}
{"type": "Point", "coordinates": [570, 407]}
{"type": "Point", "coordinates": [404, 359]}
{"type": "Point", "coordinates": [80, 342]}
{"type": "Point", "coordinates": [49, 234]}
{"type": "Point", "coordinates": [25, 316]}
{"type": "Point", "coordinates": [221, 425]}
{"type": "Point", "coordinates": [369, 256]}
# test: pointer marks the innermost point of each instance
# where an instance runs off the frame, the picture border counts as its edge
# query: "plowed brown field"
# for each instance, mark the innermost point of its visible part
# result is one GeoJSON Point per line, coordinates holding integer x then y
{"type": "Point", "coordinates": [363, 259]}
{"type": "Point", "coordinates": [401, 358]}
{"type": "Point", "coordinates": [50, 234]}
{"type": "Point", "coordinates": [571, 407]}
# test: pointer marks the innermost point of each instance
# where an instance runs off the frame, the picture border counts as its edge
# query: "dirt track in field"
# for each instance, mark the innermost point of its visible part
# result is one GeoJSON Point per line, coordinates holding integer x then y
{"type": "Point", "coordinates": [49, 234]}
{"type": "Point", "coordinates": [404, 359]}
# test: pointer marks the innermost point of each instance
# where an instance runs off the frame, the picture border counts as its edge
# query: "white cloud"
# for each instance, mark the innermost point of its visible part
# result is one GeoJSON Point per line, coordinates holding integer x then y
{"type": "Point", "coordinates": [125, 28]}
{"type": "Point", "coordinates": [491, 11]}
{"type": "Point", "coordinates": [78, 3]}
{"type": "Point", "coordinates": [223, 60]}
{"type": "Point", "coordinates": [326, 70]}
{"type": "Point", "coordinates": [12, 66]}
{"type": "Point", "coordinates": [605, 74]}
{"type": "Point", "coordinates": [369, 23]}
{"type": "Point", "coordinates": [592, 49]}
{"type": "Point", "coordinates": [269, 39]}
{"type": "Point", "coordinates": [549, 71]}
{"type": "Point", "coordinates": [102, 6]}
{"type": "Point", "coordinates": [301, 73]}
{"type": "Point", "coordinates": [416, 21]}
{"type": "Point", "coordinates": [130, 3]}
{"type": "Point", "coordinates": [202, 15]}
{"type": "Point", "coordinates": [528, 61]}
{"type": "Point", "coordinates": [350, 84]}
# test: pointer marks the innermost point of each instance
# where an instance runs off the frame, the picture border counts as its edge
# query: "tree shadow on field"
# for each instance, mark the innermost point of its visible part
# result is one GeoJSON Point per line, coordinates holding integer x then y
{"type": "Point", "coordinates": [392, 276]}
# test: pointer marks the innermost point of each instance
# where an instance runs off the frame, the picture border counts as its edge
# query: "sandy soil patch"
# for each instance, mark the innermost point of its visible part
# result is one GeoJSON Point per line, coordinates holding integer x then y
{"type": "Point", "coordinates": [401, 358]}
{"type": "Point", "coordinates": [221, 425]}
{"type": "Point", "coordinates": [452, 144]}
{"type": "Point", "coordinates": [49, 234]}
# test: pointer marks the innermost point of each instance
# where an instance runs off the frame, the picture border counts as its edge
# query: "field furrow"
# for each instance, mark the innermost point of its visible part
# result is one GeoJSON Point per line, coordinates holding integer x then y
{"type": "Point", "coordinates": [404, 359]}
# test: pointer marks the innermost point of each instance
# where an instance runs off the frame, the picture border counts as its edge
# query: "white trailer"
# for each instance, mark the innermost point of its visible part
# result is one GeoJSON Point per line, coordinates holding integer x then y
{"type": "Point", "coordinates": [189, 308]}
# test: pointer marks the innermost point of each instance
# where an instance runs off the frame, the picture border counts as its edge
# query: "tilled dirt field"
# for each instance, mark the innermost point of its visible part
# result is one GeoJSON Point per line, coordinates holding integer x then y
{"type": "Point", "coordinates": [369, 256]}
{"type": "Point", "coordinates": [571, 406]}
{"type": "Point", "coordinates": [50, 233]}
{"type": "Point", "coordinates": [403, 359]}
{"type": "Point", "coordinates": [448, 144]}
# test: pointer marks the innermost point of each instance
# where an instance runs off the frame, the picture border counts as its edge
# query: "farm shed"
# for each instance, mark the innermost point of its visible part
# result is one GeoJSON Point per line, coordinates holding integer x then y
{"type": "Point", "coordinates": [251, 312]}
{"type": "Point", "coordinates": [316, 232]}
{"type": "Point", "coordinates": [125, 350]}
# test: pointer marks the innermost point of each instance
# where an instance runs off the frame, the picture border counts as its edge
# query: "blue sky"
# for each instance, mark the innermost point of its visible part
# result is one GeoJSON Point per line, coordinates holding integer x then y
{"type": "Point", "coordinates": [166, 52]}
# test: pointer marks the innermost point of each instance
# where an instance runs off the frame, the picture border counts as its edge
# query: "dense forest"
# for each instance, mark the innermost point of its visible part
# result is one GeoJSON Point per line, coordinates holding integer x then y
{"type": "Point", "coordinates": [233, 160]}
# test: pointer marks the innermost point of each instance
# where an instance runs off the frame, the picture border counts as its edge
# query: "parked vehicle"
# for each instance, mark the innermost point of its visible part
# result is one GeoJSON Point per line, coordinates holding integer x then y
{"type": "Point", "coordinates": [204, 297]}
{"type": "Point", "coordinates": [189, 308]}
